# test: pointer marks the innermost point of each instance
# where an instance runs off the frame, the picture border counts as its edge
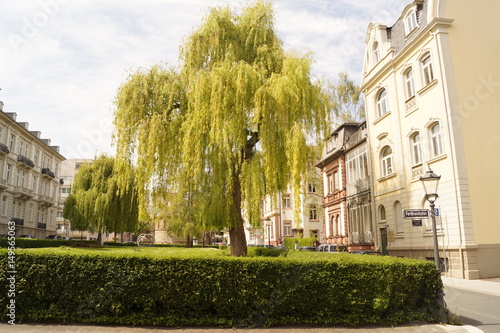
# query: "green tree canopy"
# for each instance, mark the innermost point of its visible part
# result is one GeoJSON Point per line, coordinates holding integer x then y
{"type": "Point", "coordinates": [346, 100]}
{"type": "Point", "coordinates": [97, 202]}
{"type": "Point", "coordinates": [228, 126]}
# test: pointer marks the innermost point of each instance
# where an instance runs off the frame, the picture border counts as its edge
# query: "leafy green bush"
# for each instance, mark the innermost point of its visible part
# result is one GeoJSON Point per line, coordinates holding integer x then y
{"type": "Point", "coordinates": [265, 252]}
{"type": "Point", "coordinates": [222, 291]}
{"type": "Point", "coordinates": [290, 242]}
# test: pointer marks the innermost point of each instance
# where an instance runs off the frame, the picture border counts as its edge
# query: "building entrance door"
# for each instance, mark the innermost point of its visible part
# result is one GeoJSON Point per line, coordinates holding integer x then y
{"type": "Point", "coordinates": [383, 239]}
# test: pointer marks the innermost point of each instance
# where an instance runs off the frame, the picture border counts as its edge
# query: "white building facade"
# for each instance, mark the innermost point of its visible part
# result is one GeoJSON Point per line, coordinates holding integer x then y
{"type": "Point", "coordinates": [419, 76]}
{"type": "Point", "coordinates": [29, 179]}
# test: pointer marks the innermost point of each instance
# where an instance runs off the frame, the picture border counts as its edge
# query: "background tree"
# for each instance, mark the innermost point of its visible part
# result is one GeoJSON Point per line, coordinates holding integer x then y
{"type": "Point", "coordinates": [347, 103]}
{"type": "Point", "coordinates": [231, 124]}
{"type": "Point", "coordinates": [98, 203]}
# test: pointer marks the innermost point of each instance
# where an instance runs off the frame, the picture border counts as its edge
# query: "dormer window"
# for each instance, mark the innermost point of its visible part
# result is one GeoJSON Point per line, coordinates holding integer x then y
{"type": "Point", "coordinates": [411, 22]}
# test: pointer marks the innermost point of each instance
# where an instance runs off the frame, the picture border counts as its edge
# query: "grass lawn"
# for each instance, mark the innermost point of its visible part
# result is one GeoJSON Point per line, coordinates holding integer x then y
{"type": "Point", "coordinates": [132, 251]}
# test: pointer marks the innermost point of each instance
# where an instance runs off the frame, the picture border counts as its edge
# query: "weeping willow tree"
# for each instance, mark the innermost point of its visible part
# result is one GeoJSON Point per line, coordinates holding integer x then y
{"type": "Point", "coordinates": [227, 126]}
{"type": "Point", "coordinates": [346, 100]}
{"type": "Point", "coordinates": [98, 203]}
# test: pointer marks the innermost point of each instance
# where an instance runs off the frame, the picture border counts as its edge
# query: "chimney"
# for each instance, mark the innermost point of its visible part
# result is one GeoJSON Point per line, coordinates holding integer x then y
{"type": "Point", "coordinates": [1, 106]}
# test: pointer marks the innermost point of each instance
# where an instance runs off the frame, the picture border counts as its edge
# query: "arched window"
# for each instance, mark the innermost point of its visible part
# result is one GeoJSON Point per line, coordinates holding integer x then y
{"type": "Point", "coordinates": [436, 140]}
{"type": "Point", "coordinates": [382, 103]}
{"type": "Point", "coordinates": [410, 87]}
{"type": "Point", "coordinates": [398, 214]}
{"type": "Point", "coordinates": [416, 148]}
{"type": "Point", "coordinates": [338, 225]}
{"type": "Point", "coordinates": [386, 161]}
{"type": "Point", "coordinates": [376, 53]}
{"type": "Point", "coordinates": [427, 73]}
{"type": "Point", "coordinates": [383, 217]}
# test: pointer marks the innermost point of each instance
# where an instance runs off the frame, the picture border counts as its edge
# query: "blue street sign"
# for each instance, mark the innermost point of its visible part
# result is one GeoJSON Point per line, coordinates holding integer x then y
{"type": "Point", "coordinates": [436, 212]}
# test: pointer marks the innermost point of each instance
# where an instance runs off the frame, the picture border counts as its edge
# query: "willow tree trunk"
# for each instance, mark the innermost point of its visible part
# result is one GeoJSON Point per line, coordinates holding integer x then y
{"type": "Point", "coordinates": [237, 232]}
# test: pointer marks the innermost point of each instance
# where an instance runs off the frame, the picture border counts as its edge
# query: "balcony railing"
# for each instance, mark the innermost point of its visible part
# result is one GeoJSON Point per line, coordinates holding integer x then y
{"type": "Point", "coordinates": [47, 173]}
{"type": "Point", "coordinates": [17, 221]}
{"type": "Point", "coordinates": [24, 161]}
{"type": "Point", "coordinates": [41, 225]}
{"type": "Point", "coordinates": [363, 237]}
{"type": "Point", "coordinates": [4, 149]}
{"type": "Point", "coordinates": [23, 192]}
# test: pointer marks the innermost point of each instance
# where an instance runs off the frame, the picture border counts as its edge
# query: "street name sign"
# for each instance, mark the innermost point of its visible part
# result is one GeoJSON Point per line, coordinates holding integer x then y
{"type": "Point", "coordinates": [416, 213]}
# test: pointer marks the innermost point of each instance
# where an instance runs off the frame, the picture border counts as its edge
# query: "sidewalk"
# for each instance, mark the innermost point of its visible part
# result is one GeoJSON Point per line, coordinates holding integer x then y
{"type": "Point", "coordinates": [426, 328]}
{"type": "Point", "coordinates": [486, 286]}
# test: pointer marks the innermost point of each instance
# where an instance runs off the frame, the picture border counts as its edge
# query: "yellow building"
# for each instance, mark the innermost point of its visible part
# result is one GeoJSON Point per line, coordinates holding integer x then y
{"type": "Point", "coordinates": [432, 91]}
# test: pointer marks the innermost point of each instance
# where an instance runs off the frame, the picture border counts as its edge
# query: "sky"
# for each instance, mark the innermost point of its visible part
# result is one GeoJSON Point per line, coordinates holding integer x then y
{"type": "Point", "coordinates": [62, 61]}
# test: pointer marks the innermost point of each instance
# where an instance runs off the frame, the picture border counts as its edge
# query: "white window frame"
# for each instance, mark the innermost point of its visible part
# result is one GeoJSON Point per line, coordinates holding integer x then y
{"type": "Point", "coordinates": [416, 148]}
{"type": "Point", "coordinates": [313, 213]}
{"type": "Point", "coordinates": [287, 228]}
{"type": "Point", "coordinates": [409, 83]}
{"type": "Point", "coordinates": [386, 161]}
{"type": "Point", "coordinates": [427, 72]}
{"type": "Point", "coordinates": [382, 107]}
{"type": "Point", "coordinates": [436, 140]}
{"type": "Point", "coordinates": [411, 22]}
{"type": "Point", "coordinates": [287, 201]}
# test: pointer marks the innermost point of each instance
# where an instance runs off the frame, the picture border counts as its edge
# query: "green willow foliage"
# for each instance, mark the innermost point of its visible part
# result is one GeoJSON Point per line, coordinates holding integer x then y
{"type": "Point", "coordinates": [98, 202]}
{"type": "Point", "coordinates": [225, 128]}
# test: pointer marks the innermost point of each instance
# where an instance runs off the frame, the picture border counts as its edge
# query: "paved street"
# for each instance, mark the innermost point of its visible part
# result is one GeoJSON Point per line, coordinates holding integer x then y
{"type": "Point", "coordinates": [475, 303]}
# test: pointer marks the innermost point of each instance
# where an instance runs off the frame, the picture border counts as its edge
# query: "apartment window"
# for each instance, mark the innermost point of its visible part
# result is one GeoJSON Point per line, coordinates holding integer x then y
{"type": "Point", "coordinates": [330, 183]}
{"type": "Point", "coordinates": [30, 212]}
{"type": "Point", "coordinates": [33, 185]}
{"type": "Point", "coordinates": [416, 149]}
{"type": "Point", "coordinates": [336, 181]}
{"type": "Point", "coordinates": [1, 130]}
{"type": "Point", "coordinates": [411, 22]}
{"type": "Point", "coordinates": [383, 216]}
{"type": "Point", "coordinates": [357, 165]}
{"type": "Point", "coordinates": [386, 161]}
{"type": "Point", "coordinates": [410, 87]}
{"type": "Point", "coordinates": [376, 53]}
{"type": "Point", "coordinates": [382, 103]}
{"type": "Point", "coordinates": [427, 72]}
{"type": "Point", "coordinates": [60, 214]}
{"type": "Point", "coordinates": [436, 140]}
{"type": "Point", "coordinates": [287, 201]}
{"type": "Point", "coordinates": [4, 205]}
{"type": "Point", "coordinates": [8, 172]}
{"type": "Point", "coordinates": [37, 154]}
{"type": "Point", "coordinates": [313, 212]}
{"type": "Point", "coordinates": [311, 187]}
{"type": "Point", "coordinates": [287, 228]}
{"type": "Point", "coordinates": [12, 142]}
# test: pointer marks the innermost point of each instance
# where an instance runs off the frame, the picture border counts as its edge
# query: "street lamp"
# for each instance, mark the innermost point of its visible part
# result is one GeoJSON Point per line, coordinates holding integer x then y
{"type": "Point", "coordinates": [430, 181]}
{"type": "Point", "coordinates": [268, 224]}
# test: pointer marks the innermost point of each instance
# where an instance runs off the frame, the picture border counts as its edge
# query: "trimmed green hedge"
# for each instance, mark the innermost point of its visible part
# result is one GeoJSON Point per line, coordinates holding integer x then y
{"type": "Point", "coordinates": [222, 291]}
{"type": "Point", "coordinates": [26, 243]}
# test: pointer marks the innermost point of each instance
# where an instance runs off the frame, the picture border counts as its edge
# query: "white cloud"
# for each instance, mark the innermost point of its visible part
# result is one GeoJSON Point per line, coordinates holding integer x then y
{"type": "Point", "coordinates": [62, 61]}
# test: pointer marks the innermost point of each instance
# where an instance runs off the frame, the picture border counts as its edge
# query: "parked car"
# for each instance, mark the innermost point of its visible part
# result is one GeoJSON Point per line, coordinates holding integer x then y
{"type": "Point", "coordinates": [307, 248]}
{"type": "Point", "coordinates": [331, 248]}
{"type": "Point", "coordinates": [53, 237]}
{"type": "Point", "coordinates": [369, 252]}
{"type": "Point", "coordinates": [25, 236]}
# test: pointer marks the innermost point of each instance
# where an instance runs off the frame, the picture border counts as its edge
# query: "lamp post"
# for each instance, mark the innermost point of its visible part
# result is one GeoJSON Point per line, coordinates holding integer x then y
{"type": "Point", "coordinates": [430, 181]}
{"type": "Point", "coordinates": [268, 224]}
